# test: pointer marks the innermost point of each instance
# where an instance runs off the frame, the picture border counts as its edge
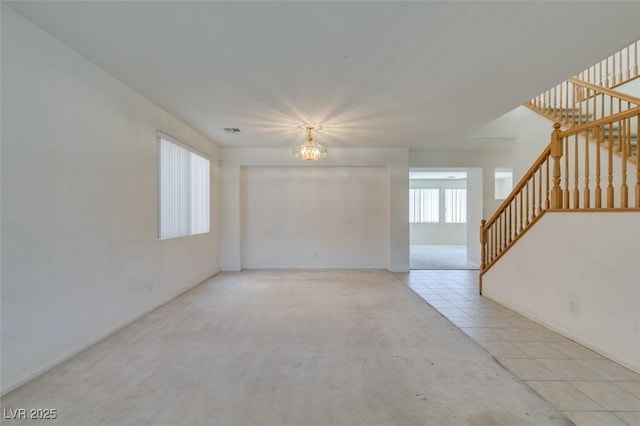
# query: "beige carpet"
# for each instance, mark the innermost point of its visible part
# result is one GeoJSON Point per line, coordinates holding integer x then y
{"type": "Point", "coordinates": [288, 348]}
{"type": "Point", "coordinates": [439, 257]}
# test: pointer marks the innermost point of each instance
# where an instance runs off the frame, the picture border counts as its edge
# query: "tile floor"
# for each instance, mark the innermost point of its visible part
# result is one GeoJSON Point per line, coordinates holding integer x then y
{"type": "Point", "coordinates": [587, 387]}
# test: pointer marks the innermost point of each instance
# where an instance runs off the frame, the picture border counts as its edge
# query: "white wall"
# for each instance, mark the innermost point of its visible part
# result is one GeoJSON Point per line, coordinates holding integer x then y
{"type": "Point", "coordinates": [586, 259]}
{"type": "Point", "coordinates": [441, 232]}
{"type": "Point", "coordinates": [630, 88]}
{"type": "Point", "coordinates": [81, 256]}
{"type": "Point", "coordinates": [395, 162]}
{"type": "Point", "coordinates": [315, 217]}
{"type": "Point", "coordinates": [474, 198]}
{"type": "Point", "coordinates": [504, 186]}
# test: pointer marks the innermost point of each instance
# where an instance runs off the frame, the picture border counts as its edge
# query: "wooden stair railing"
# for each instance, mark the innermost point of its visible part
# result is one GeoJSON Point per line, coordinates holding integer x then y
{"type": "Point", "coordinates": [574, 102]}
{"type": "Point", "coordinates": [617, 69]}
{"type": "Point", "coordinates": [587, 167]}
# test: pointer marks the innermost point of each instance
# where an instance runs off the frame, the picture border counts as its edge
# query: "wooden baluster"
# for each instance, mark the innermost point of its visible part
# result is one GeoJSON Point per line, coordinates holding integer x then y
{"type": "Point", "coordinates": [587, 191]}
{"type": "Point", "coordinates": [496, 250]}
{"type": "Point", "coordinates": [483, 246]}
{"type": "Point", "coordinates": [498, 226]}
{"type": "Point", "coordinates": [576, 96]}
{"type": "Point", "coordinates": [492, 250]}
{"type": "Point", "coordinates": [539, 189]}
{"type": "Point", "coordinates": [515, 217]}
{"type": "Point", "coordinates": [611, 111]}
{"type": "Point", "coordinates": [568, 100]}
{"type": "Point", "coordinates": [556, 154]}
{"type": "Point", "coordinates": [503, 229]}
{"type": "Point", "coordinates": [619, 105]}
{"type": "Point", "coordinates": [526, 204]}
{"type": "Point", "coordinates": [629, 122]}
{"type": "Point", "coordinates": [578, 120]}
{"type": "Point", "coordinates": [610, 169]}
{"type": "Point", "coordinates": [521, 212]}
{"type": "Point", "coordinates": [548, 191]}
{"type": "Point", "coordinates": [555, 102]}
{"type": "Point", "coordinates": [629, 62]}
{"type": "Point", "coordinates": [587, 104]}
{"type": "Point", "coordinates": [533, 194]}
{"type": "Point", "coordinates": [576, 171]}
{"type": "Point", "coordinates": [593, 110]}
{"type": "Point", "coordinates": [561, 105]}
{"type": "Point", "coordinates": [600, 141]}
{"type": "Point", "coordinates": [599, 115]}
{"type": "Point", "coordinates": [600, 79]}
{"type": "Point", "coordinates": [607, 80]}
{"type": "Point", "coordinates": [637, 201]}
{"type": "Point", "coordinates": [506, 225]}
{"type": "Point", "coordinates": [496, 231]}
{"type": "Point", "coordinates": [512, 222]}
{"type": "Point", "coordinates": [624, 189]}
{"type": "Point", "coordinates": [565, 202]}
{"type": "Point", "coordinates": [613, 71]}
{"type": "Point", "coordinates": [620, 67]}
{"type": "Point", "coordinates": [637, 158]}
{"type": "Point", "coordinates": [627, 138]}
{"type": "Point", "coordinates": [489, 246]}
{"type": "Point", "coordinates": [637, 61]}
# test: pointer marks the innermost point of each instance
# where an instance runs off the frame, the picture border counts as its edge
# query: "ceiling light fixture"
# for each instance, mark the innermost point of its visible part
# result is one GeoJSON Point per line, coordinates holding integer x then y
{"type": "Point", "coordinates": [310, 150]}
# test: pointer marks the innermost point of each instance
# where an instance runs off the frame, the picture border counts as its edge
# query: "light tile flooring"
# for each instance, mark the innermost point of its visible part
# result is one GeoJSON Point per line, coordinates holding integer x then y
{"type": "Point", "coordinates": [587, 387]}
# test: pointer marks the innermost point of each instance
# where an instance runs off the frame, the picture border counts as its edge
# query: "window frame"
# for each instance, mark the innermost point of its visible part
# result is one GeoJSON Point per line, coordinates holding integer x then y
{"type": "Point", "coordinates": [163, 234]}
{"type": "Point", "coordinates": [437, 210]}
{"type": "Point", "coordinates": [452, 217]}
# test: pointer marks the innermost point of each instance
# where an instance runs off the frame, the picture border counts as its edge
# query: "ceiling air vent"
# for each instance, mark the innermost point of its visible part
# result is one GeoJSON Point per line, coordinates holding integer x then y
{"type": "Point", "coordinates": [232, 130]}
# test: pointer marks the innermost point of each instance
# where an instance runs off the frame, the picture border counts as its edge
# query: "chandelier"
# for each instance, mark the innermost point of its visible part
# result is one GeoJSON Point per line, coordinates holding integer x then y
{"type": "Point", "coordinates": [310, 150]}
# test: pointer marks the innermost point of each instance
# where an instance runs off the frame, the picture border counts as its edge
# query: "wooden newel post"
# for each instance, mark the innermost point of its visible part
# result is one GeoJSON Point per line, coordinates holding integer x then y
{"type": "Point", "coordinates": [483, 251]}
{"type": "Point", "coordinates": [556, 154]}
{"type": "Point", "coordinates": [483, 243]}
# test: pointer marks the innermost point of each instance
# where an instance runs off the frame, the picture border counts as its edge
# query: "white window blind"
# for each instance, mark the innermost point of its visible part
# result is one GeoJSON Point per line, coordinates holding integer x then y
{"type": "Point", "coordinates": [183, 190]}
{"type": "Point", "coordinates": [455, 206]}
{"type": "Point", "coordinates": [424, 205]}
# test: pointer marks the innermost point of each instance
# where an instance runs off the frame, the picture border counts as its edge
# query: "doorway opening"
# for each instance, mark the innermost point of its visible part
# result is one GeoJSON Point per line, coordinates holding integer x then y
{"type": "Point", "coordinates": [440, 209]}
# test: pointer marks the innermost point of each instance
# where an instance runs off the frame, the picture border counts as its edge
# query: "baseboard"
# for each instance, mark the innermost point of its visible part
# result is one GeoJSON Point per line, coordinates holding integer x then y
{"type": "Point", "coordinates": [561, 331]}
{"type": "Point", "coordinates": [60, 359]}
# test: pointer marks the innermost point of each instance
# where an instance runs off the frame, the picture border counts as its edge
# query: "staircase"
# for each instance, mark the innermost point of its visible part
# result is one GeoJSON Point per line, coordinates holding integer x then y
{"type": "Point", "coordinates": [591, 162]}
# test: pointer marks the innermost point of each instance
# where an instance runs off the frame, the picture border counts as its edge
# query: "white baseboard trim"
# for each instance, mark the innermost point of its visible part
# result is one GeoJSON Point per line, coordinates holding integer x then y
{"type": "Point", "coordinates": [62, 358]}
{"type": "Point", "coordinates": [533, 317]}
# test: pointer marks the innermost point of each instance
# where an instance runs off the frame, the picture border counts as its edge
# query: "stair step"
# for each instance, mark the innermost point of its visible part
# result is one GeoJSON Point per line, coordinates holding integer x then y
{"type": "Point", "coordinates": [614, 130]}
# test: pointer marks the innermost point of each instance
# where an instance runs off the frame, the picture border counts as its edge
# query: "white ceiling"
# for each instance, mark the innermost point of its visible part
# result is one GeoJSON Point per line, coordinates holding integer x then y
{"type": "Point", "coordinates": [373, 74]}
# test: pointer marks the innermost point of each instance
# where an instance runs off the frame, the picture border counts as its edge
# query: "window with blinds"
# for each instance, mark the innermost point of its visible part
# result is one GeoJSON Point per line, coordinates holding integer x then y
{"type": "Point", "coordinates": [424, 205]}
{"type": "Point", "coordinates": [183, 190]}
{"type": "Point", "coordinates": [455, 206]}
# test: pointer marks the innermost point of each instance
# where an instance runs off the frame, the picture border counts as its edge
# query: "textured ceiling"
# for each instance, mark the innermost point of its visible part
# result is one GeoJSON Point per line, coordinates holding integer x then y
{"type": "Point", "coordinates": [373, 74]}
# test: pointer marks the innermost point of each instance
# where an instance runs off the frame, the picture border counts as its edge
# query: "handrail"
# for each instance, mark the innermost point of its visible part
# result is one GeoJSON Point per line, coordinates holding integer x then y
{"type": "Point", "coordinates": [606, 91]}
{"type": "Point", "coordinates": [591, 167]}
{"type": "Point", "coordinates": [521, 183]}
{"type": "Point", "coordinates": [600, 122]}
{"type": "Point", "coordinates": [585, 167]}
{"type": "Point", "coordinates": [574, 103]}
